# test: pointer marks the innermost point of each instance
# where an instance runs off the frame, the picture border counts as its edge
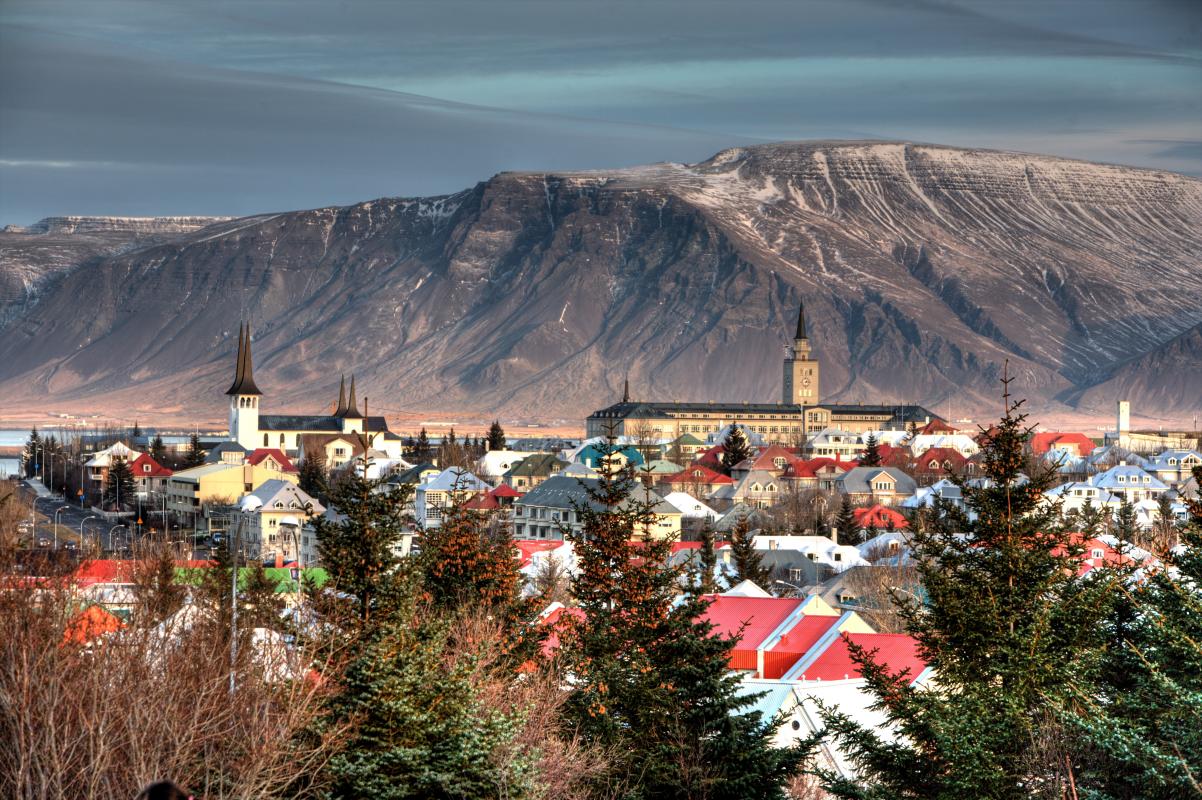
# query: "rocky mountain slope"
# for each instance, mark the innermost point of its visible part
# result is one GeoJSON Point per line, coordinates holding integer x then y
{"type": "Point", "coordinates": [923, 270]}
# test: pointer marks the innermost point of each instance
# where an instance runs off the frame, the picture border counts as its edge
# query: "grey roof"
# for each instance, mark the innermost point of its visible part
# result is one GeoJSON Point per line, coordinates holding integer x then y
{"type": "Point", "coordinates": [214, 455]}
{"type": "Point", "coordinates": [412, 475]}
{"type": "Point", "coordinates": [323, 423]}
{"type": "Point", "coordinates": [539, 464]}
{"type": "Point", "coordinates": [857, 480]}
{"type": "Point", "coordinates": [899, 414]}
{"type": "Point", "coordinates": [560, 491]}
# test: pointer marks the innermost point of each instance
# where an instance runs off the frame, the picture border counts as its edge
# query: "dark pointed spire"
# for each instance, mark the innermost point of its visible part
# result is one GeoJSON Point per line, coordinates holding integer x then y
{"type": "Point", "coordinates": [244, 373]}
{"type": "Point", "coordinates": [352, 407]}
{"type": "Point", "coordinates": [801, 321]}
{"type": "Point", "coordinates": [626, 390]}
{"type": "Point", "coordinates": [341, 409]}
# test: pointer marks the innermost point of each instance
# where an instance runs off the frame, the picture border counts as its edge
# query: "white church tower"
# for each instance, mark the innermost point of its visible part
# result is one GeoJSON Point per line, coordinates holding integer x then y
{"type": "Point", "coordinates": [244, 396]}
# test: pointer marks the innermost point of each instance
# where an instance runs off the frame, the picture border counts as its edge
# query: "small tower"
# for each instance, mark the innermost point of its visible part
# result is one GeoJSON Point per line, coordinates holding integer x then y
{"type": "Point", "coordinates": [244, 395]}
{"type": "Point", "coordinates": [800, 386]}
{"type": "Point", "coordinates": [340, 409]}
{"type": "Point", "coordinates": [626, 391]}
{"type": "Point", "coordinates": [352, 420]}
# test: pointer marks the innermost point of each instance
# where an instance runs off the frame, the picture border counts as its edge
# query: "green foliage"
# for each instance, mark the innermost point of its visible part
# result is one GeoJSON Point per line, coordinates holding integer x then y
{"type": "Point", "coordinates": [735, 448]}
{"type": "Point", "coordinates": [748, 563]}
{"type": "Point", "coordinates": [360, 550]}
{"type": "Point", "coordinates": [707, 562]}
{"type": "Point", "coordinates": [195, 456]}
{"type": "Point", "coordinates": [158, 450]}
{"type": "Point", "coordinates": [32, 454]}
{"type": "Point", "coordinates": [313, 478]}
{"type": "Point", "coordinates": [422, 449]}
{"type": "Point", "coordinates": [845, 523]}
{"type": "Point", "coordinates": [119, 491]}
{"type": "Point", "coordinates": [496, 436]}
{"type": "Point", "coordinates": [649, 678]}
{"type": "Point", "coordinates": [872, 453]}
{"type": "Point", "coordinates": [1005, 622]}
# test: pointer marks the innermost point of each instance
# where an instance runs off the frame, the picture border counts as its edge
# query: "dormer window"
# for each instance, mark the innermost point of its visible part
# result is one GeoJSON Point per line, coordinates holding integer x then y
{"type": "Point", "coordinates": [1122, 479]}
{"type": "Point", "coordinates": [1097, 553]}
{"type": "Point", "coordinates": [146, 468]}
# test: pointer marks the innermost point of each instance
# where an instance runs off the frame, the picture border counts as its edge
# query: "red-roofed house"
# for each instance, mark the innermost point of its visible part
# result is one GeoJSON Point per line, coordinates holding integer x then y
{"type": "Point", "coordinates": [830, 660]}
{"type": "Point", "coordinates": [711, 458]}
{"type": "Point", "coordinates": [936, 462]}
{"type": "Point", "coordinates": [879, 517]}
{"type": "Point", "coordinates": [793, 644]}
{"type": "Point", "coordinates": [894, 456]}
{"type": "Point", "coordinates": [1078, 443]}
{"type": "Point", "coordinates": [272, 458]}
{"type": "Point", "coordinates": [936, 426]}
{"type": "Point", "coordinates": [149, 475]}
{"type": "Point", "coordinates": [90, 624]}
{"type": "Point", "coordinates": [774, 458]}
{"type": "Point", "coordinates": [826, 470]}
{"type": "Point", "coordinates": [696, 479]}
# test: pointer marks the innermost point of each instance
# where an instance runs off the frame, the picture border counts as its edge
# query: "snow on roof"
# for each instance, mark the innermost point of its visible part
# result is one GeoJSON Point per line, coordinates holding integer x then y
{"type": "Point", "coordinates": [690, 506]}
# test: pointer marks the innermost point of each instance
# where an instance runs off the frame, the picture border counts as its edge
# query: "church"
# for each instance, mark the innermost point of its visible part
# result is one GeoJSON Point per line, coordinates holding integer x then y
{"type": "Point", "coordinates": [290, 432]}
{"type": "Point", "coordinates": [798, 415]}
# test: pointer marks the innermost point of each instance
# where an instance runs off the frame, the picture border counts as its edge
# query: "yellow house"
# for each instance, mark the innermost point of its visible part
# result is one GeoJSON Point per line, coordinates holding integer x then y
{"type": "Point", "coordinates": [190, 489]}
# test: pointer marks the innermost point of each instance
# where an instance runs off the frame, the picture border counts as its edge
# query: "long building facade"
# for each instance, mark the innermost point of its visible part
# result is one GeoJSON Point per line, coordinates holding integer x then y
{"type": "Point", "coordinates": [800, 414]}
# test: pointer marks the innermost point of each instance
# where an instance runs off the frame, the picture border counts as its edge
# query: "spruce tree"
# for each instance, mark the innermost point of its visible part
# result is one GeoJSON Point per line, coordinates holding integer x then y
{"type": "Point", "coordinates": [312, 477]}
{"type": "Point", "coordinates": [136, 431]}
{"type": "Point", "coordinates": [845, 523]}
{"type": "Point", "coordinates": [196, 454]}
{"type": "Point", "coordinates": [735, 448]}
{"type": "Point", "coordinates": [32, 453]}
{"type": "Point", "coordinates": [496, 436]}
{"type": "Point", "coordinates": [158, 450]}
{"type": "Point", "coordinates": [1125, 527]}
{"type": "Point", "coordinates": [747, 562]}
{"type": "Point", "coordinates": [1004, 623]}
{"type": "Point", "coordinates": [872, 453]}
{"type": "Point", "coordinates": [649, 680]}
{"type": "Point", "coordinates": [422, 450]}
{"type": "Point", "coordinates": [707, 562]}
{"type": "Point", "coordinates": [119, 492]}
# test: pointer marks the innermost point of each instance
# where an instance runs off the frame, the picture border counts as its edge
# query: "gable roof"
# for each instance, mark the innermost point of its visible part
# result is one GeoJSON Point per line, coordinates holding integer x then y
{"type": "Point", "coordinates": [156, 470]}
{"type": "Point", "coordinates": [897, 651]}
{"type": "Point", "coordinates": [292, 496]}
{"type": "Point", "coordinates": [260, 454]}
{"type": "Point", "coordinates": [879, 517]}
{"type": "Point", "coordinates": [698, 473]}
{"type": "Point", "coordinates": [561, 491]}
{"type": "Point", "coordinates": [539, 465]}
{"type": "Point", "coordinates": [758, 617]}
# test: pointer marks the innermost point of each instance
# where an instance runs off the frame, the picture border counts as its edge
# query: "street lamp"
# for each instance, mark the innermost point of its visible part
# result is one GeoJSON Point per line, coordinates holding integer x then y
{"type": "Point", "coordinates": [249, 505]}
{"type": "Point", "coordinates": [81, 522]}
{"type": "Point", "coordinates": [56, 513]}
{"type": "Point", "coordinates": [792, 586]}
{"type": "Point", "coordinates": [115, 527]}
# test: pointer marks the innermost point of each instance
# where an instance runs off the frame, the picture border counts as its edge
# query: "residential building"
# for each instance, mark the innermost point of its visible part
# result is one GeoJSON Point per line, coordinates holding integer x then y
{"type": "Point", "coordinates": [150, 477]}
{"type": "Point", "coordinates": [887, 486]}
{"type": "Point", "coordinates": [96, 468]}
{"type": "Point", "coordinates": [1129, 482]}
{"type": "Point", "coordinates": [222, 484]}
{"type": "Point", "coordinates": [1174, 467]}
{"type": "Point", "coordinates": [438, 492]}
{"type": "Point", "coordinates": [552, 508]}
{"type": "Point", "coordinates": [279, 526]}
{"type": "Point", "coordinates": [533, 470]}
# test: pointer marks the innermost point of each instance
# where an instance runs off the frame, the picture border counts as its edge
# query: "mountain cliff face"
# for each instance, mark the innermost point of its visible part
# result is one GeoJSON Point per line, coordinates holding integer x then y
{"type": "Point", "coordinates": [923, 269]}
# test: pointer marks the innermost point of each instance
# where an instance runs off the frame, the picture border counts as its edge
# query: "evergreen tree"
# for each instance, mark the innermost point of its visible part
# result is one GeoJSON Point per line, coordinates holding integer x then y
{"type": "Point", "coordinates": [136, 431]}
{"type": "Point", "coordinates": [159, 593]}
{"type": "Point", "coordinates": [707, 562]}
{"type": "Point", "coordinates": [32, 454]}
{"type": "Point", "coordinates": [119, 491]}
{"type": "Point", "coordinates": [1125, 527]}
{"type": "Point", "coordinates": [845, 523]}
{"type": "Point", "coordinates": [735, 448]}
{"type": "Point", "coordinates": [312, 477]}
{"type": "Point", "coordinates": [196, 454]}
{"type": "Point", "coordinates": [259, 602]}
{"type": "Point", "coordinates": [1004, 624]}
{"type": "Point", "coordinates": [650, 681]}
{"type": "Point", "coordinates": [1139, 712]}
{"type": "Point", "coordinates": [872, 453]}
{"type": "Point", "coordinates": [496, 436]}
{"type": "Point", "coordinates": [158, 450]}
{"type": "Point", "coordinates": [360, 551]}
{"type": "Point", "coordinates": [748, 563]}
{"type": "Point", "coordinates": [423, 449]}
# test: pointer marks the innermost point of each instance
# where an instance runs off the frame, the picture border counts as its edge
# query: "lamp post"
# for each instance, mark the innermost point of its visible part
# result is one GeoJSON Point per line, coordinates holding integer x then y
{"type": "Point", "coordinates": [249, 505]}
{"type": "Point", "coordinates": [56, 513]}
{"type": "Point", "coordinates": [81, 522]}
{"type": "Point", "coordinates": [792, 586]}
{"type": "Point", "coordinates": [115, 527]}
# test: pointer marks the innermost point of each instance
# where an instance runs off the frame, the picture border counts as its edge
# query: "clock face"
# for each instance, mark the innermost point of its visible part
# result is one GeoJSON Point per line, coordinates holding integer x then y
{"type": "Point", "coordinates": [805, 382]}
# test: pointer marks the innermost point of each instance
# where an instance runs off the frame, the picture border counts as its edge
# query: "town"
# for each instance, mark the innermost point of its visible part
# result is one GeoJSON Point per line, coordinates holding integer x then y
{"type": "Point", "coordinates": [801, 529]}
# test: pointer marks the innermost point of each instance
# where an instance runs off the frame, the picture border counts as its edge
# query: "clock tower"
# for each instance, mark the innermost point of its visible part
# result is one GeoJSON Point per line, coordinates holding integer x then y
{"type": "Point", "coordinates": [801, 368]}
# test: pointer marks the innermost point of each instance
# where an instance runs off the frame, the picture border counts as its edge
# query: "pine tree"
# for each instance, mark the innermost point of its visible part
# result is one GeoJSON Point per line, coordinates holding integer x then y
{"type": "Point", "coordinates": [496, 436]}
{"type": "Point", "coordinates": [136, 431]}
{"type": "Point", "coordinates": [1004, 623]}
{"type": "Point", "coordinates": [707, 562]}
{"type": "Point", "coordinates": [158, 450]}
{"type": "Point", "coordinates": [119, 492]}
{"type": "Point", "coordinates": [650, 681]}
{"type": "Point", "coordinates": [360, 551]}
{"type": "Point", "coordinates": [423, 446]}
{"type": "Point", "coordinates": [734, 448]}
{"type": "Point", "coordinates": [1125, 527]}
{"type": "Point", "coordinates": [312, 477]}
{"type": "Point", "coordinates": [872, 453]}
{"type": "Point", "coordinates": [464, 565]}
{"type": "Point", "coordinates": [747, 562]}
{"type": "Point", "coordinates": [159, 593]}
{"type": "Point", "coordinates": [196, 454]}
{"type": "Point", "coordinates": [845, 523]}
{"type": "Point", "coordinates": [259, 602]}
{"type": "Point", "coordinates": [32, 453]}
{"type": "Point", "coordinates": [1138, 709]}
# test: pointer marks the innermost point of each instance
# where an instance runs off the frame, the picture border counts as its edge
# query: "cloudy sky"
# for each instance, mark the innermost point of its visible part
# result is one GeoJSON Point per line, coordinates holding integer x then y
{"type": "Point", "coordinates": [214, 107]}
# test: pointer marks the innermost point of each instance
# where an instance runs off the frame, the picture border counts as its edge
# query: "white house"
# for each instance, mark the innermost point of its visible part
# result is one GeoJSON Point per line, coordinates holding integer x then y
{"type": "Point", "coordinates": [961, 443]}
{"type": "Point", "coordinates": [278, 525]}
{"type": "Point", "coordinates": [1174, 467]}
{"type": "Point", "coordinates": [433, 495]}
{"type": "Point", "coordinates": [690, 507]}
{"type": "Point", "coordinates": [819, 549]}
{"type": "Point", "coordinates": [1129, 482]}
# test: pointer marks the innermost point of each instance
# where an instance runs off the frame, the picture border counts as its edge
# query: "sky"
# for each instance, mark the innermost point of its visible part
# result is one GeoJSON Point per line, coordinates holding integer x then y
{"type": "Point", "coordinates": [165, 107]}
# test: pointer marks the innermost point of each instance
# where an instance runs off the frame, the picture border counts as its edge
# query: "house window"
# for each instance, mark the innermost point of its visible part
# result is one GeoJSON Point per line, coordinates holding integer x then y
{"type": "Point", "coordinates": [1097, 553]}
{"type": "Point", "coordinates": [838, 556]}
{"type": "Point", "coordinates": [339, 451]}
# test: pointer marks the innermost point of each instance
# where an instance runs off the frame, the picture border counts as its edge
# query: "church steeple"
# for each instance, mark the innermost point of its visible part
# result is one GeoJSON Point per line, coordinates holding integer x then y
{"type": "Point", "coordinates": [626, 390]}
{"type": "Point", "coordinates": [801, 321]}
{"type": "Point", "coordinates": [352, 406]}
{"type": "Point", "coordinates": [244, 377]}
{"type": "Point", "coordinates": [341, 409]}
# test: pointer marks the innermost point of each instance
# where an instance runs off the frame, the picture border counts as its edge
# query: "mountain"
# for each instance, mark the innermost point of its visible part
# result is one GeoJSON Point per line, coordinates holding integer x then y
{"type": "Point", "coordinates": [924, 269]}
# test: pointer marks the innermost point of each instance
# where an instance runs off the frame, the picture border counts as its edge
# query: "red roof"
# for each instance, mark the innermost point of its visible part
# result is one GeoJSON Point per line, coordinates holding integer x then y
{"type": "Point", "coordinates": [815, 464]}
{"type": "Point", "coordinates": [897, 651]}
{"type": "Point", "coordinates": [557, 619]}
{"type": "Point", "coordinates": [89, 624]}
{"type": "Point", "coordinates": [528, 547]}
{"type": "Point", "coordinates": [263, 452]}
{"type": "Point", "coordinates": [697, 473]}
{"type": "Point", "coordinates": [795, 644]}
{"type": "Point", "coordinates": [893, 456]}
{"type": "Point", "coordinates": [762, 616]}
{"type": "Point", "coordinates": [505, 490]}
{"type": "Point", "coordinates": [1045, 441]}
{"type": "Point", "coordinates": [105, 570]}
{"type": "Point", "coordinates": [936, 426]}
{"type": "Point", "coordinates": [767, 459]}
{"type": "Point", "coordinates": [879, 517]}
{"type": "Point", "coordinates": [711, 457]}
{"type": "Point", "coordinates": [157, 470]}
{"type": "Point", "coordinates": [482, 501]}
{"type": "Point", "coordinates": [940, 456]}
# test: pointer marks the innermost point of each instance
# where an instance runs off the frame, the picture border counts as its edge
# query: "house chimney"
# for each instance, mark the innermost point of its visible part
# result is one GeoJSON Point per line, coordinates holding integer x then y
{"type": "Point", "coordinates": [835, 535]}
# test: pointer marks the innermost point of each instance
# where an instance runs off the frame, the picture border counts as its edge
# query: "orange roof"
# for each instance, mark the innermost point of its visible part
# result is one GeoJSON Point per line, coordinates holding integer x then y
{"type": "Point", "coordinates": [697, 473]}
{"type": "Point", "coordinates": [897, 651]}
{"type": "Point", "coordinates": [528, 547]}
{"type": "Point", "coordinates": [879, 517]}
{"type": "Point", "coordinates": [1046, 440]}
{"type": "Point", "coordinates": [89, 625]}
